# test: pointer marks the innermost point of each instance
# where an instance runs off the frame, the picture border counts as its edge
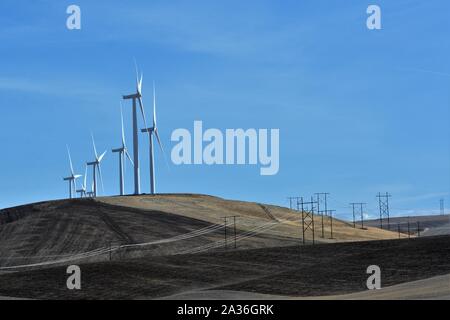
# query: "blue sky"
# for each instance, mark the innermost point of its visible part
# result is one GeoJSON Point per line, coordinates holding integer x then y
{"type": "Point", "coordinates": [359, 111]}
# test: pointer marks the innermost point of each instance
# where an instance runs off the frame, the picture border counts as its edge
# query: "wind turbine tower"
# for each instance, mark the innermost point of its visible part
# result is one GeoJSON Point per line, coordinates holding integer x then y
{"type": "Point", "coordinates": [82, 190]}
{"type": "Point", "coordinates": [73, 177]}
{"type": "Point", "coordinates": [96, 167]}
{"type": "Point", "coordinates": [153, 130]}
{"type": "Point", "coordinates": [136, 96]}
{"type": "Point", "coordinates": [122, 152]}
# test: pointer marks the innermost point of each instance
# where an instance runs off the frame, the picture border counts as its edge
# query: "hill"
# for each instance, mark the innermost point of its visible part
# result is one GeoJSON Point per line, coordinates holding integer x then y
{"type": "Point", "coordinates": [431, 225]}
{"type": "Point", "coordinates": [132, 226]}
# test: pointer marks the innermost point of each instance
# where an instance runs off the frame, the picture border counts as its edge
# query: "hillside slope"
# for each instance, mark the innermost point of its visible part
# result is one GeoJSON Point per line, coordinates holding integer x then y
{"type": "Point", "coordinates": [431, 225]}
{"type": "Point", "coordinates": [150, 225]}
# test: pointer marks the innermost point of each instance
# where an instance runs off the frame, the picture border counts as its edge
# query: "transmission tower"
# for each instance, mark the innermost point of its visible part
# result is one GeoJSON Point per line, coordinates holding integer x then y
{"type": "Point", "coordinates": [234, 229]}
{"type": "Point", "coordinates": [358, 211]}
{"type": "Point", "coordinates": [383, 203]}
{"type": "Point", "coordinates": [308, 210]}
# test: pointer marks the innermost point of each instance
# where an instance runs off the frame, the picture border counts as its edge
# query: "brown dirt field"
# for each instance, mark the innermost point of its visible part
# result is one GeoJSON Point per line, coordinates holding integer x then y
{"type": "Point", "coordinates": [296, 271]}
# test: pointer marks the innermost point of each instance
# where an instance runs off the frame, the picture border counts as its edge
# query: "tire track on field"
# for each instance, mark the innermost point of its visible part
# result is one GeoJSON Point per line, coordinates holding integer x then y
{"type": "Point", "coordinates": [267, 211]}
{"type": "Point", "coordinates": [127, 239]}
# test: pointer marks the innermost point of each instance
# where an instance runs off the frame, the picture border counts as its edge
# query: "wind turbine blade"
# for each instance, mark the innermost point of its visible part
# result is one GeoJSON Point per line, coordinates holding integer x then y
{"type": "Point", "coordinates": [101, 157]}
{"type": "Point", "coordinates": [124, 161]}
{"type": "Point", "coordinates": [140, 84]}
{"type": "Point", "coordinates": [85, 178]}
{"type": "Point", "coordinates": [154, 106]}
{"type": "Point", "coordinates": [77, 176]}
{"type": "Point", "coordinates": [121, 119]}
{"type": "Point", "coordinates": [93, 143]}
{"type": "Point", "coordinates": [141, 105]}
{"type": "Point", "coordinates": [101, 178]}
{"type": "Point", "coordinates": [129, 157]}
{"type": "Point", "coordinates": [162, 149]}
{"type": "Point", "coordinates": [70, 160]}
{"type": "Point", "coordinates": [138, 81]}
{"type": "Point", "coordinates": [136, 69]}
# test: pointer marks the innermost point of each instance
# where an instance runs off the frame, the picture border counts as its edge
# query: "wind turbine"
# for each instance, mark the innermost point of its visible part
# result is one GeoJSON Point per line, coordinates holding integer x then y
{"type": "Point", "coordinates": [134, 97]}
{"type": "Point", "coordinates": [153, 130]}
{"type": "Point", "coordinates": [82, 190]}
{"type": "Point", "coordinates": [122, 152]}
{"type": "Point", "coordinates": [96, 165]}
{"type": "Point", "coordinates": [72, 178]}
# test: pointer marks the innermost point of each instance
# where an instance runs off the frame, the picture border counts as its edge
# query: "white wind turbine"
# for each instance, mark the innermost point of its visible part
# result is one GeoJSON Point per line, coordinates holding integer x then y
{"type": "Point", "coordinates": [153, 131]}
{"type": "Point", "coordinates": [123, 151]}
{"type": "Point", "coordinates": [134, 97]}
{"type": "Point", "coordinates": [72, 178]}
{"type": "Point", "coordinates": [82, 191]}
{"type": "Point", "coordinates": [96, 167]}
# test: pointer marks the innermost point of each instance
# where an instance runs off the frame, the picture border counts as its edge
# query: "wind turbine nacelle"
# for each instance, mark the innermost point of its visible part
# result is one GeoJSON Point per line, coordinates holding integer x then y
{"type": "Point", "coordinates": [132, 96]}
{"type": "Point", "coordinates": [148, 130]}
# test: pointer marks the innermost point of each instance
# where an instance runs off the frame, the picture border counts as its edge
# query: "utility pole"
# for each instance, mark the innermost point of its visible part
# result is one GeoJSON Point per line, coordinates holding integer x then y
{"type": "Point", "coordinates": [418, 228]}
{"type": "Point", "coordinates": [353, 210]}
{"type": "Point", "coordinates": [319, 196]}
{"type": "Point", "coordinates": [441, 202]}
{"type": "Point", "coordinates": [225, 232]}
{"type": "Point", "coordinates": [383, 203]}
{"type": "Point", "coordinates": [362, 215]}
{"type": "Point", "coordinates": [110, 256]}
{"type": "Point", "coordinates": [398, 228]}
{"type": "Point", "coordinates": [409, 234]}
{"type": "Point", "coordinates": [290, 201]}
{"type": "Point", "coordinates": [234, 229]}
{"type": "Point", "coordinates": [330, 212]}
{"type": "Point", "coordinates": [307, 218]}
